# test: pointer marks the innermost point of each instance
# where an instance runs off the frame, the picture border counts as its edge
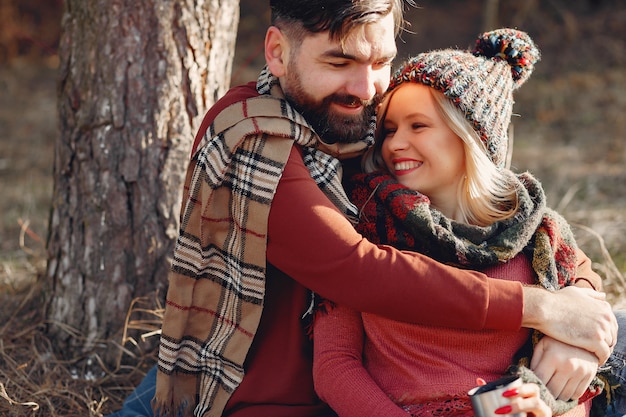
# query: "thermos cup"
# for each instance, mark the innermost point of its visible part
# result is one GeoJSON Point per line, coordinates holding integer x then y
{"type": "Point", "coordinates": [488, 398]}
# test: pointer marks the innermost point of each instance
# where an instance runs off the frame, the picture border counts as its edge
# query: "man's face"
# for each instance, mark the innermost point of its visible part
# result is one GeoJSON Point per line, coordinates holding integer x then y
{"type": "Point", "coordinates": [337, 88]}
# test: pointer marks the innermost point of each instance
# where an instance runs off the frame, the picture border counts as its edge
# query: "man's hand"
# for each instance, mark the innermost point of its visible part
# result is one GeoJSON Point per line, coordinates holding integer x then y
{"type": "Point", "coordinates": [566, 370]}
{"type": "Point", "coordinates": [576, 316]}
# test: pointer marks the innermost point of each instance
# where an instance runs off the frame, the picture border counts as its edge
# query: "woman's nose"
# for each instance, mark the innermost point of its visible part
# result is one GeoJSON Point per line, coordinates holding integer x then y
{"type": "Point", "coordinates": [397, 141]}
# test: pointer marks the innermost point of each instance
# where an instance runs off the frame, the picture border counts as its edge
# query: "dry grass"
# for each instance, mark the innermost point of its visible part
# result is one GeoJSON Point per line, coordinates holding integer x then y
{"type": "Point", "coordinates": [34, 381]}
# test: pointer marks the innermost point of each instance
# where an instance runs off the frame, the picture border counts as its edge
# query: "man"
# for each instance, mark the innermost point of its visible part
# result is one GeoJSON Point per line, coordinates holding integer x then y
{"type": "Point", "coordinates": [265, 223]}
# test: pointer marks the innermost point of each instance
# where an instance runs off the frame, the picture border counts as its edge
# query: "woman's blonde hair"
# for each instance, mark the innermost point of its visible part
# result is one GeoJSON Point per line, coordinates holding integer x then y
{"type": "Point", "coordinates": [487, 193]}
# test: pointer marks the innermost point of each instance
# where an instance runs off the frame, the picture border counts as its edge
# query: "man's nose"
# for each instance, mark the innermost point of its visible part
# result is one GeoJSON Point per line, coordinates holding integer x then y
{"type": "Point", "coordinates": [367, 82]}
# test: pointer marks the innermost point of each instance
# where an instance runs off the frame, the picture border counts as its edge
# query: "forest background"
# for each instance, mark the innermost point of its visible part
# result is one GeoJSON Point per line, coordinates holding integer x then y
{"type": "Point", "coordinates": [570, 133]}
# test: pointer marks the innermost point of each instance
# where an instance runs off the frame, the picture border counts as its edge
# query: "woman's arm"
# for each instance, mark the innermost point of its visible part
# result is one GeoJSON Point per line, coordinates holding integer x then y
{"type": "Point", "coordinates": [338, 373]}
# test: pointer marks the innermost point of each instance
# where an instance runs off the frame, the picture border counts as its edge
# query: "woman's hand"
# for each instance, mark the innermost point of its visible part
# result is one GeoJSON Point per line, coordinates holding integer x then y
{"type": "Point", "coordinates": [525, 399]}
{"type": "Point", "coordinates": [566, 370]}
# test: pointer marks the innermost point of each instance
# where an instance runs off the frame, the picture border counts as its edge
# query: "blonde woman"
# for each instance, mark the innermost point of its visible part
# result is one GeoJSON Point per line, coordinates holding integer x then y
{"type": "Point", "coordinates": [436, 183]}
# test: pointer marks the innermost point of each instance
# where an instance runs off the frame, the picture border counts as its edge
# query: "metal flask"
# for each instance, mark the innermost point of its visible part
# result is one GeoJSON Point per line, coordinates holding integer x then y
{"type": "Point", "coordinates": [488, 398]}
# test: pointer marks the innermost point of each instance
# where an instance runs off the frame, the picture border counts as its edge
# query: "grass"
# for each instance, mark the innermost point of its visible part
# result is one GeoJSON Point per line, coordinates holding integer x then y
{"type": "Point", "coordinates": [35, 382]}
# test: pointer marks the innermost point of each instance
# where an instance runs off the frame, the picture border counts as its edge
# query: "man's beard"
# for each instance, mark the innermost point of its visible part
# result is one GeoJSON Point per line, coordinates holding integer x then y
{"type": "Point", "coordinates": [331, 126]}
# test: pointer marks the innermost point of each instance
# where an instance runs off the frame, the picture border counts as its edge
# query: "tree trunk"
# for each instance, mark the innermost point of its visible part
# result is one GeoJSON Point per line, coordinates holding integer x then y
{"type": "Point", "coordinates": [490, 14]}
{"type": "Point", "coordinates": [135, 79]}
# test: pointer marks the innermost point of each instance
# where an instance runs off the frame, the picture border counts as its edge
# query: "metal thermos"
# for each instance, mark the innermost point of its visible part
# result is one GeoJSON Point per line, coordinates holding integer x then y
{"type": "Point", "coordinates": [488, 398]}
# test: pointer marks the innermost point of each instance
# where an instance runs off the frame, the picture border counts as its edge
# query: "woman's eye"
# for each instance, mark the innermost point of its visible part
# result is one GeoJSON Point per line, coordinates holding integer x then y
{"type": "Point", "coordinates": [389, 132]}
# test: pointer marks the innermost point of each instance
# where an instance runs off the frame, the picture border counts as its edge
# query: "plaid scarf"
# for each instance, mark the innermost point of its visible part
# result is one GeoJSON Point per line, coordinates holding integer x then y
{"type": "Point", "coordinates": [394, 215]}
{"type": "Point", "coordinates": [217, 280]}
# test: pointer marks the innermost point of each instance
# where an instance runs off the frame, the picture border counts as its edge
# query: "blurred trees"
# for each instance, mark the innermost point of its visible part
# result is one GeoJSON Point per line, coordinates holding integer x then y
{"type": "Point", "coordinates": [29, 28]}
{"type": "Point", "coordinates": [135, 78]}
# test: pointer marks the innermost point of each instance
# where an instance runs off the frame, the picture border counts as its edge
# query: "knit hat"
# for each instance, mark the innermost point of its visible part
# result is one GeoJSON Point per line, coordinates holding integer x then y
{"type": "Point", "coordinates": [480, 83]}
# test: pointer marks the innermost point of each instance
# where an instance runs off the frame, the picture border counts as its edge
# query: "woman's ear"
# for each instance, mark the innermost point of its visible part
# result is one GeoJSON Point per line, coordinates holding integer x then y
{"type": "Point", "coordinates": [276, 49]}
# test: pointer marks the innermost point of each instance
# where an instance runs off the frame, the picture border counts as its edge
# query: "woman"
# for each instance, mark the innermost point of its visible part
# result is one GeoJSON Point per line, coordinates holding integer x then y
{"type": "Point", "coordinates": [436, 182]}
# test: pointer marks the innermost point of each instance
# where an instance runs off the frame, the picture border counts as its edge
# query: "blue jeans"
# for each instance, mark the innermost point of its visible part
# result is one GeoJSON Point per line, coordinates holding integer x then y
{"type": "Point", "coordinates": [617, 362]}
{"type": "Point", "coordinates": [138, 402]}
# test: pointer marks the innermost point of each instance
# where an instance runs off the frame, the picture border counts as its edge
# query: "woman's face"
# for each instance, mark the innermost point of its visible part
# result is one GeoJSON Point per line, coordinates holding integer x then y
{"type": "Point", "coordinates": [419, 148]}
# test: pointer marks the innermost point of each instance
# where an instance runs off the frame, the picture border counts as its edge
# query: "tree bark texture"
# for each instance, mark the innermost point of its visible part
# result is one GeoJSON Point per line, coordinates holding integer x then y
{"type": "Point", "coordinates": [135, 79]}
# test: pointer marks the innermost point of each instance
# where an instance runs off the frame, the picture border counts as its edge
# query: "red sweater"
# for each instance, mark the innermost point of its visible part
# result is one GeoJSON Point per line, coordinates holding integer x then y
{"type": "Point", "coordinates": [367, 365]}
{"type": "Point", "coordinates": [312, 246]}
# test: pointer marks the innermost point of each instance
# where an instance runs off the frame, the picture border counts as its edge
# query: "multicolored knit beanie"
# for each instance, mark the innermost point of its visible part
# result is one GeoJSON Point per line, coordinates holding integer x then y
{"type": "Point", "coordinates": [479, 82]}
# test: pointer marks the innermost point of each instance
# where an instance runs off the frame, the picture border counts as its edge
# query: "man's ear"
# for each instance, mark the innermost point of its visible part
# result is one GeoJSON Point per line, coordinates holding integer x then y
{"type": "Point", "coordinates": [276, 50]}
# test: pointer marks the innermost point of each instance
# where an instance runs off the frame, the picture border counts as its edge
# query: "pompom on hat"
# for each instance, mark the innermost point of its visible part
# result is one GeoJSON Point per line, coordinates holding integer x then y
{"type": "Point", "coordinates": [479, 82]}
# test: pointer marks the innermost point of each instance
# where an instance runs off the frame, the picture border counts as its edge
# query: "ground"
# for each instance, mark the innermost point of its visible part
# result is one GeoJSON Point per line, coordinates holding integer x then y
{"type": "Point", "coordinates": [570, 134]}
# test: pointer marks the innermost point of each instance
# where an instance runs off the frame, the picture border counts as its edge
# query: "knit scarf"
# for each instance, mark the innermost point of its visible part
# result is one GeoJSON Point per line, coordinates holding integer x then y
{"type": "Point", "coordinates": [217, 280]}
{"type": "Point", "coordinates": [395, 215]}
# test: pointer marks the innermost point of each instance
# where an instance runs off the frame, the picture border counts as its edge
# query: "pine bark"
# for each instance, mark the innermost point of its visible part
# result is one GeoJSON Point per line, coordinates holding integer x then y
{"type": "Point", "coordinates": [135, 79]}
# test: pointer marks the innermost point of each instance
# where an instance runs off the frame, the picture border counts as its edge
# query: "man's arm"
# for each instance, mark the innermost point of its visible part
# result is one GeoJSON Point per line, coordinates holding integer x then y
{"type": "Point", "coordinates": [312, 242]}
{"type": "Point", "coordinates": [585, 276]}
{"type": "Point", "coordinates": [309, 240]}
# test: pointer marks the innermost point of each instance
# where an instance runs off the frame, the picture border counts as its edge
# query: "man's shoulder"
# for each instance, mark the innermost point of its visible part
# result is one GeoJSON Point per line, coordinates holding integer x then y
{"type": "Point", "coordinates": [233, 95]}
{"type": "Point", "coordinates": [238, 93]}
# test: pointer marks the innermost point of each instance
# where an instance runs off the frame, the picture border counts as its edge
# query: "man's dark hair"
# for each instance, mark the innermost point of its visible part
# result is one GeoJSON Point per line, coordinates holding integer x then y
{"type": "Point", "coordinates": [338, 17]}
